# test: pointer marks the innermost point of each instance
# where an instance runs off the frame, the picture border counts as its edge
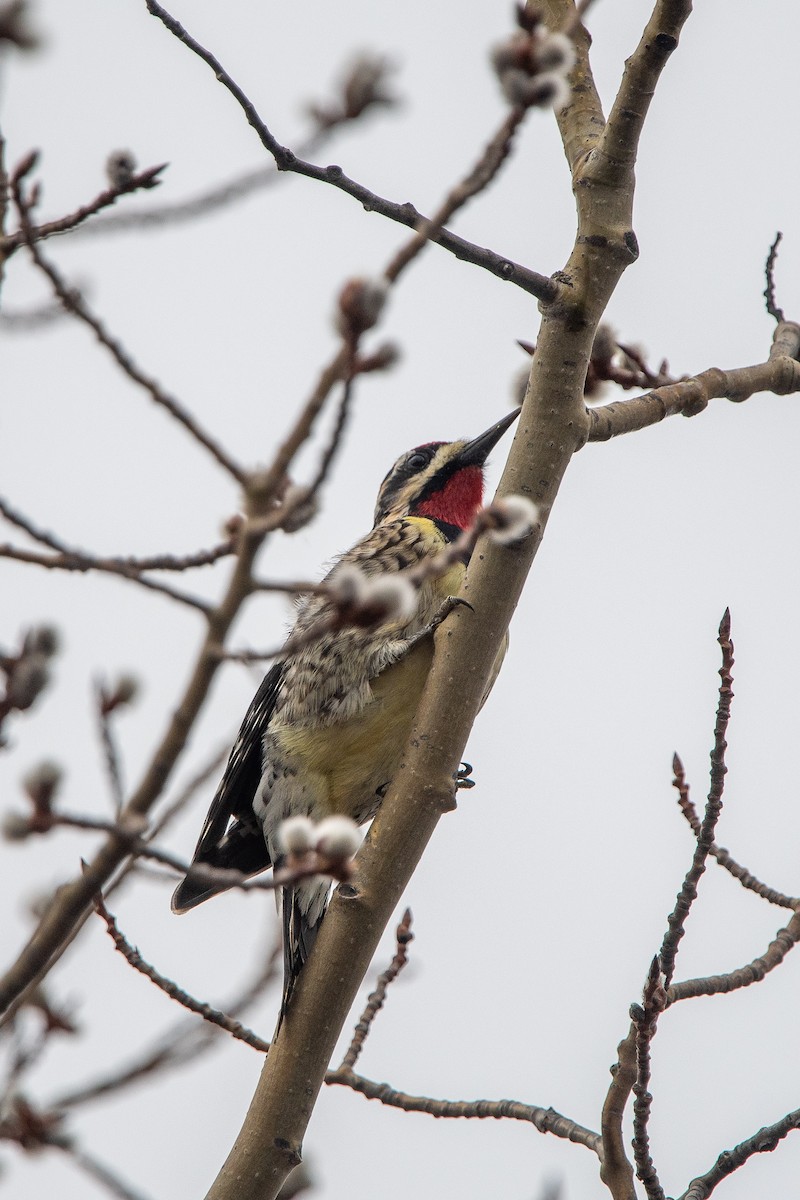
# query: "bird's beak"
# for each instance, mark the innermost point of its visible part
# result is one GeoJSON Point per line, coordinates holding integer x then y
{"type": "Point", "coordinates": [477, 451]}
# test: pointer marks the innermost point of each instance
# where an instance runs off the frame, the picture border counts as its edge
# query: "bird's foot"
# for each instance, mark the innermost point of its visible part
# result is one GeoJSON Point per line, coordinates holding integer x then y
{"type": "Point", "coordinates": [441, 614]}
{"type": "Point", "coordinates": [464, 778]}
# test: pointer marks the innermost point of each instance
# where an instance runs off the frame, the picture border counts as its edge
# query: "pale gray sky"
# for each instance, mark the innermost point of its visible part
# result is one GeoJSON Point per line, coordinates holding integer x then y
{"type": "Point", "coordinates": [540, 903]}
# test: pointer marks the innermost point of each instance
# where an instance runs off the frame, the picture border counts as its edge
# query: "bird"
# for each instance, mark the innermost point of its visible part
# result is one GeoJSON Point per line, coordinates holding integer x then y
{"type": "Point", "coordinates": [326, 730]}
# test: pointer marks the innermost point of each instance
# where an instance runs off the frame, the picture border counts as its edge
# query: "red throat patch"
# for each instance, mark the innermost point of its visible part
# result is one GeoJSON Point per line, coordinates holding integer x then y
{"type": "Point", "coordinates": [458, 501]}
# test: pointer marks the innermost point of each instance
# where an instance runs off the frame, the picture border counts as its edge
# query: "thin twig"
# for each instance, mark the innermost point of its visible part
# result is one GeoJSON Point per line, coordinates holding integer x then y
{"type": "Point", "coordinates": [723, 856]}
{"type": "Point", "coordinates": [129, 831]}
{"type": "Point", "coordinates": [763, 1142]}
{"type": "Point", "coordinates": [31, 320]}
{"type": "Point", "coordinates": [541, 286]}
{"type": "Point", "coordinates": [97, 1170]}
{"type": "Point", "coordinates": [705, 836]}
{"type": "Point", "coordinates": [152, 562]}
{"type": "Point", "coordinates": [235, 1028]}
{"type": "Point", "coordinates": [753, 972]}
{"type": "Point", "coordinates": [769, 291]}
{"type": "Point", "coordinates": [546, 1120]}
{"type": "Point", "coordinates": [479, 178]}
{"type": "Point", "coordinates": [65, 562]}
{"type": "Point", "coordinates": [75, 304]}
{"type": "Point", "coordinates": [361, 91]}
{"type": "Point", "coordinates": [335, 442]}
{"type": "Point", "coordinates": [645, 1019]}
{"type": "Point", "coordinates": [182, 1043]}
{"type": "Point", "coordinates": [108, 742]}
{"type": "Point", "coordinates": [142, 179]}
{"type": "Point", "coordinates": [377, 998]}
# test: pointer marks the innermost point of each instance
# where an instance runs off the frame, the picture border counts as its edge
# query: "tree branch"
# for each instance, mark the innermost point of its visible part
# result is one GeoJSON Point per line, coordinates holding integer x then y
{"type": "Point", "coordinates": [616, 1171]}
{"type": "Point", "coordinates": [405, 214]}
{"type": "Point", "coordinates": [615, 154]}
{"type": "Point", "coordinates": [81, 563]}
{"type": "Point", "coordinates": [716, 985]}
{"type": "Point", "coordinates": [723, 857]}
{"type": "Point", "coordinates": [780, 375]}
{"type": "Point", "coordinates": [763, 1142]}
{"type": "Point", "coordinates": [376, 1000]}
{"type": "Point", "coordinates": [546, 1120]}
{"type": "Point", "coordinates": [171, 989]}
{"type": "Point", "coordinates": [71, 906]}
{"type": "Point", "coordinates": [138, 181]}
{"type": "Point", "coordinates": [705, 835]}
{"type": "Point", "coordinates": [74, 303]}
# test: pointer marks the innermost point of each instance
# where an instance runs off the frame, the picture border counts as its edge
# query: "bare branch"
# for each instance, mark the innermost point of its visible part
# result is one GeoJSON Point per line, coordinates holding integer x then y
{"type": "Point", "coordinates": [30, 320]}
{"type": "Point", "coordinates": [77, 562]}
{"type": "Point", "coordinates": [335, 443]}
{"type": "Point", "coordinates": [153, 562]}
{"type": "Point", "coordinates": [109, 746]}
{"type": "Point", "coordinates": [98, 1171]}
{"type": "Point", "coordinates": [478, 179]}
{"type": "Point", "coordinates": [619, 142]}
{"type": "Point", "coordinates": [546, 1120]}
{"type": "Point", "coordinates": [376, 1000]}
{"type": "Point", "coordinates": [645, 1019]}
{"type": "Point", "coordinates": [581, 122]}
{"type": "Point", "coordinates": [763, 1142]}
{"type": "Point", "coordinates": [769, 291]}
{"type": "Point", "coordinates": [781, 375]}
{"type": "Point", "coordinates": [138, 181]}
{"type": "Point", "coordinates": [405, 214]}
{"type": "Point", "coordinates": [74, 303]}
{"type": "Point", "coordinates": [362, 90]}
{"type": "Point", "coordinates": [213, 1015]}
{"type": "Point", "coordinates": [723, 857]}
{"type": "Point", "coordinates": [715, 985]}
{"type": "Point", "coordinates": [180, 1044]}
{"type": "Point", "coordinates": [616, 1171]}
{"type": "Point", "coordinates": [705, 836]}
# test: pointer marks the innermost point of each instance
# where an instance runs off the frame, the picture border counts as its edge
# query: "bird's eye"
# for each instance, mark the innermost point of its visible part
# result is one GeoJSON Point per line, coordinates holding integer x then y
{"type": "Point", "coordinates": [415, 462]}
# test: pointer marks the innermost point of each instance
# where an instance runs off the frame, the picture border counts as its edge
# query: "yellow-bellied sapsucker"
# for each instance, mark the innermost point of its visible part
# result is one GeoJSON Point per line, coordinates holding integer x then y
{"type": "Point", "coordinates": [326, 730]}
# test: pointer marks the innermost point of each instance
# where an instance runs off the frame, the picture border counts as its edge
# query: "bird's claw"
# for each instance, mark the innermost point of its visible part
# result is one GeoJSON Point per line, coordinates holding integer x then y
{"type": "Point", "coordinates": [446, 607]}
{"type": "Point", "coordinates": [463, 780]}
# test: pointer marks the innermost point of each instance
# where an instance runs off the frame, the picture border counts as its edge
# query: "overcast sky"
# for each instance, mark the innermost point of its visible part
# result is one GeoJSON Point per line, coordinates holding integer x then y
{"type": "Point", "coordinates": [541, 901]}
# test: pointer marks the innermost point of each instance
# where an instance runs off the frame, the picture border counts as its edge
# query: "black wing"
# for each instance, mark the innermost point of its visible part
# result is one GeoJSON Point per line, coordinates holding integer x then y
{"type": "Point", "coordinates": [231, 835]}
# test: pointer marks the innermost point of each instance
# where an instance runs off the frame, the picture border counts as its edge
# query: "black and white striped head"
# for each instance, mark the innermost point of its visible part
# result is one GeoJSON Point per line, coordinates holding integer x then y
{"type": "Point", "coordinates": [440, 480]}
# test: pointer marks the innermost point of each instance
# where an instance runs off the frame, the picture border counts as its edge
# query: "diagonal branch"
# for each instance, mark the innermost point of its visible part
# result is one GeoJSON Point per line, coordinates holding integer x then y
{"type": "Point", "coordinates": [723, 857]}
{"type": "Point", "coordinates": [476, 181]}
{"type": "Point", "coordinates": [182, 1043]}
{"type": "Point", "coordinates": [171, 989]}
{"type": "Point", "coordinates": [75, 304]}
{"type": "Point", "coordinates": [616, 150]}
{"type": "Point", "coordinates": [377, 998]}
{"type": "Point", "coordinates": [716, 985]}
{"type": "Point", "coordinates": [405, 214]}
{"type": "Point", "coordinates": [37, 233]}
{"type": "Point", "coordinates": [763, 1142]}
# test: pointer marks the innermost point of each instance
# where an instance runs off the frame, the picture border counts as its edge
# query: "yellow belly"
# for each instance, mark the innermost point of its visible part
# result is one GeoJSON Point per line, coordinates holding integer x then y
{"type": "Point", "coordinates": [343, 764]}
{"type": "Point", "coordinates": [358, 756]}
